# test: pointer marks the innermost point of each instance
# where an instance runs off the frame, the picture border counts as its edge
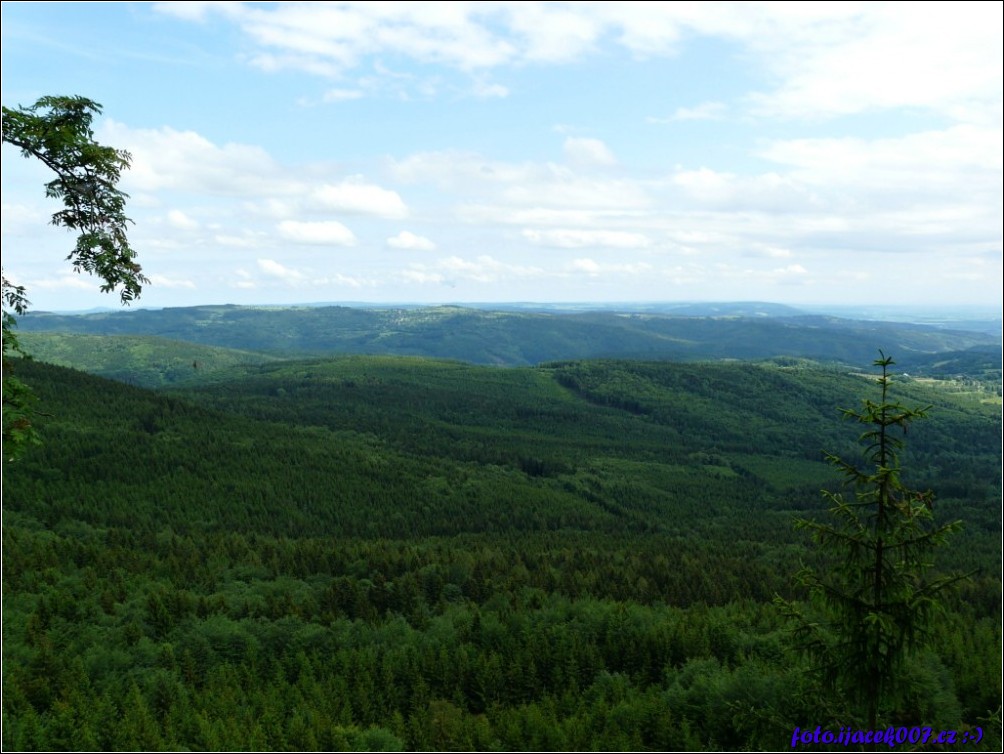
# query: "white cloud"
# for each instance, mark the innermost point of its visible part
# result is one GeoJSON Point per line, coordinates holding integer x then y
{"type": "Point", "coordinates": [270, 63]}
{"type": "Point", "coordinates": [408, 240]}
{"type": "Point", "coordinates": [592, 268]}
{"type": "Point", "coordinates": [736, 278]}
{"type": "Point", "coordinates": [548, 32]}
{"type": "Point", "coordinates": [510, 215]}
{"type": "Point", "coordinates": [299, 278]}
{"type": "Point", "coordinates": [486, 90]}
{"type": "Point", "coordinates": [895, 162]}
{"type": "Point", "coordinates": [355, 196]}
{"type": "Point", "coordinates": [325, 233]}
{"type": "Point", "coordinates": [559, 188]}
{"type": "Point", "coordinates": [169, 159]}
{"type": "Point", "coordinates": [791, 269]}
{"type": "Point", "coordinates": [287, 274]}
{"type": "Point", "coordinates": [706, 184]}
{"type": "Point", "coordinates": [347, 280]}
{"type": "Point", "coordinates": [588, 266]}
{"type": "Point", "coordinates": [781, 194]}
{"type": "Point", "coordinates": [703, 111]}
{"type": "Point", "coordinates": [685, 275]}
{"type": "Point", "coordinates": [769, 251]}
{"type": "Point", "coordinates": [454, 269]}
{"type": "Point", "coordinates": [64, 280]}
{"type": "Point", "coordinates": [880, 56]}
{"type": "Point", "coordinates": [919, 188]}
{"type": "Point", "coordinates": [20, 218]}
{"type": "Point", "coordinates": [245, 280]}
{"type": "Point", "coordinates": [454, 169]}
{"type": "Point", "coordinates": [908, 193]}
{"type": "Point", "coordinates": [163, 281]}
{"type": "Point", "coordinates": [323, 37]}
{"type": "Point", "coordinates": [782, 207]}
{"type": "Point", "coordinates": [527, 185]}
{"type": "Point", "coordinates": [823, 59]}
{"type": "Point", "coordinates": [178, 219]}
{"type": "Point", "coordinates": [194, 10]}
{"type": "Point", "coordinates": [277, 209]}
{"type": "Point", "coordinates": [246, 240]}
{"type": "Point", "coordinates": [341, 95]}
{"type": "Point", "coordinates": [334, 37]}
{"type": "Point", "coordinates": [588, 153]}
{"type": "Point", "coordinates": [422, 277]}
{"type": "Point", "coordinates": [568, 238]}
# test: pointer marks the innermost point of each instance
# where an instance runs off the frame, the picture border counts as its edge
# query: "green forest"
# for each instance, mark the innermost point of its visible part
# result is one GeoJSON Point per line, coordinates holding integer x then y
{"type": "Point", "coordinates": [240, 550]}
{"type": "Point", "coordinates": [511, 337]}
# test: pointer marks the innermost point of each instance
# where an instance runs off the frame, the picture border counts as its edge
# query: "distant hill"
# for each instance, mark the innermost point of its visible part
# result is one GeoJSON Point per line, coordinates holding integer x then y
{"type": "Point", "coordinates": [684, 309]}
{"type": "Point", "coordinates": [518, 338]}
{"type": "Point", "coordinates": [978, 362]}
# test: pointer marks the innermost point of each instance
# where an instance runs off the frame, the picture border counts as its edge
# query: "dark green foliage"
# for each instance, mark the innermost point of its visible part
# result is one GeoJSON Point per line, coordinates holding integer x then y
{"type": "Point", "coordinates": [370, 553]}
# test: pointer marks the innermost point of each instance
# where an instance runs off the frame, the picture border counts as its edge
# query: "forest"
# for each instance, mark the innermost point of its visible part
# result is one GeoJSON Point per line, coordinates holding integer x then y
{"type": "Point", "coordinates": [240, 550]}
{"type": "Point", "coordinates": [526, 336]}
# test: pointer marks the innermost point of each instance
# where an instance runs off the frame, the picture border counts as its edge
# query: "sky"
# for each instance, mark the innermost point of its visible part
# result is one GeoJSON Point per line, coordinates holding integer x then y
{"type": "Point", "coordinates": [450, 152]}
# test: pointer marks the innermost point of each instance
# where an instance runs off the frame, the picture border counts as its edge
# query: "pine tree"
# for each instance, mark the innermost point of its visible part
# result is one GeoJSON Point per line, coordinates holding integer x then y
{"type": "Point", "coordinates": [870, 609]}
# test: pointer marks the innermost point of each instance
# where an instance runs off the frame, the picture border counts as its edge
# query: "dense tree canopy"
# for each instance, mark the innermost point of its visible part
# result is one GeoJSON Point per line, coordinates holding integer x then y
{"type": "Point", "coordinates": [385, 553]}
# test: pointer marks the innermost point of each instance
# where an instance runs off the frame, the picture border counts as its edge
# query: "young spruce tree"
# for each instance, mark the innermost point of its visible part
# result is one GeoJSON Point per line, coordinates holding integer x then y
{"type": "Point", "coordinates": [869, 609]}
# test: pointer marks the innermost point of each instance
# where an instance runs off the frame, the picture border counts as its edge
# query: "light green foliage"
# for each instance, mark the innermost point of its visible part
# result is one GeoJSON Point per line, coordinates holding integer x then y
{"type": "Point", "coordinates": [57, 132]}
{"type": "Point", "coordinates": [872, 604]}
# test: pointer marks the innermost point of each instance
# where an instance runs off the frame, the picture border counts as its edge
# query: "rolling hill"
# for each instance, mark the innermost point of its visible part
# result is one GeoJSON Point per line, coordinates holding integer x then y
{"type": "Point", "coordinates": [520, 338]}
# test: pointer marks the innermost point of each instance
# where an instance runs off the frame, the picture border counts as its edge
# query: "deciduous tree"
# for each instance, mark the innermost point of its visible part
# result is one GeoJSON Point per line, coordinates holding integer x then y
{"type": "Point", "coordinates": [57, 132]}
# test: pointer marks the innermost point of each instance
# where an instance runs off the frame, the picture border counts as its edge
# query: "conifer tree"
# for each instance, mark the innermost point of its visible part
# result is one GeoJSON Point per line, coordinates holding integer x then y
{"type": "Point", "coordinates": [870, 609]}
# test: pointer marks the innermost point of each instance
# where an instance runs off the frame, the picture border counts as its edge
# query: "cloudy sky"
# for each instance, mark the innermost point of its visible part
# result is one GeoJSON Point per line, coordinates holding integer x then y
{"type": "Point", "coordinates": [804, 153]}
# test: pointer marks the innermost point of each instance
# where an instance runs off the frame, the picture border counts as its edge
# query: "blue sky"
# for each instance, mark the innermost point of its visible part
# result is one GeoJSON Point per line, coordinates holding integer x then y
{"type": "Point", "coordinates": [815, 153]}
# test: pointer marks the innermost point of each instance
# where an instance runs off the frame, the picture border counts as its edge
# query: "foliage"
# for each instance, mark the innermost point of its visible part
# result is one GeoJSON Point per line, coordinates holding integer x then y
{"type": "Point", "coordinates": [873, 604]}
{"type": "Point", "coordinates": [18, 399]}
{"type": "Point", "coordinates": [360, 553]}
{"type": "Point", "coordinates": [57, 132]}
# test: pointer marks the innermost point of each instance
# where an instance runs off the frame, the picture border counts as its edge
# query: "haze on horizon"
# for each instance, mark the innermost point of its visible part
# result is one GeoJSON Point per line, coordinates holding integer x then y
{"type": "Point", "coordinates": [801, 153]}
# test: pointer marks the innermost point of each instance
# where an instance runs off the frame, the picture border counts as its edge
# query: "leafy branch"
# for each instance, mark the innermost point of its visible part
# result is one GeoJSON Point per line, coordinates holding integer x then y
{"type": "Point", "coordinates": [57, 131]}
